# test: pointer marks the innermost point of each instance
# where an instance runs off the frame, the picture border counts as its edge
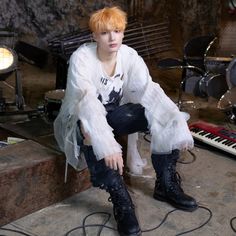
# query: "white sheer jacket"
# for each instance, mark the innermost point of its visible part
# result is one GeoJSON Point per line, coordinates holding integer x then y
{"type": "Point", "coordinates": [168, 126]}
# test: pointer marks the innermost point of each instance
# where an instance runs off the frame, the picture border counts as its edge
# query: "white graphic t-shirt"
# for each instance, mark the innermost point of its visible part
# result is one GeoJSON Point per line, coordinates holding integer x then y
{"type": "Point", "coordinates": [110, 91]}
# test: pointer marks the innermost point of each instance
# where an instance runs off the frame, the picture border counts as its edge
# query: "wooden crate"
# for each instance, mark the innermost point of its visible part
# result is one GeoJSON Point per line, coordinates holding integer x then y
{"type": "Point", "coordinates": [32, 177]}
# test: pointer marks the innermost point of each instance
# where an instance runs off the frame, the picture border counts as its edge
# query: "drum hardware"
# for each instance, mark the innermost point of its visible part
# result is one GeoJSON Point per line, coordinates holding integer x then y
{"type": "Point", "coordinates": [227, 104]}
{"type": "Point", "coordinates": [208, 85]}
{"type": "Point", "coordinates": [231, 114]}
{"type": "Point", "coordinates": [212, 85]}
{"type": "Point", "coordinates": [189, 85]}
{"type": "Point", "coordinates": [52, 103]}
{"type": "Point", "coordinates": [231, 74]}
{"type": "Point", "coordinates": [200, 83]}
{"type": "Point", "coordinates": [217, 65]}
{"type": "Point", "coordinates": [175, 63]}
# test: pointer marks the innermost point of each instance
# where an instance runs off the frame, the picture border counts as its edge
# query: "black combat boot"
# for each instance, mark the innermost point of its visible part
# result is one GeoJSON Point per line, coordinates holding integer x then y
{"type": "Point", "coordinates": [123, 209]}
{"type": "Point", "coordinates": [110, 180]}
{"type": "Point", "coordinates": [168, 182]}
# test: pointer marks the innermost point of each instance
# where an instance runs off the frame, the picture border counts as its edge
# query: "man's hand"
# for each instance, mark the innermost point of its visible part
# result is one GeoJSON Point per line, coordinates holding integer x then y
{"type": "Point", "coordinates": [115, 162]}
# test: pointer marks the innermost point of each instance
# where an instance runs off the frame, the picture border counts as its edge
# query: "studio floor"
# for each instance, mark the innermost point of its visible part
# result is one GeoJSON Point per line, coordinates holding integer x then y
{"type": "Point", "coordinates": [207, 174]}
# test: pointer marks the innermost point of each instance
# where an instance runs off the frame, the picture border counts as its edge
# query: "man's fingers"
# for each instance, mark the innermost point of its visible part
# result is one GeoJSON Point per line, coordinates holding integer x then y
{"type": "Point", "coordinates": [108, 162]}
{"type": "Point", "coordinates": [120, 167]}
{"type": "Point", "coordinates": [115, 162]}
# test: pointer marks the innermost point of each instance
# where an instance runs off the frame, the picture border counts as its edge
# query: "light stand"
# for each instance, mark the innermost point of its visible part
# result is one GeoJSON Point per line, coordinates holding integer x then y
{"type": "Point", "coordinates": [9, 65]}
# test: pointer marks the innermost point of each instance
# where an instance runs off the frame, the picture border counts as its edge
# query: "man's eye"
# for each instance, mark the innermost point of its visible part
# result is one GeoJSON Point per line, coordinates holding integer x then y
{"type": "Point", "coordinates": [104, 32]}
{"type": "Point", "coordinates": [117, 31]}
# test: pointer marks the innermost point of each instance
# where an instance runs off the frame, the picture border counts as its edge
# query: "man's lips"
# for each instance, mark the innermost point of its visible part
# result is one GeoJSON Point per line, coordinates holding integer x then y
{"type": "Point", "coordinates": [113, 45]}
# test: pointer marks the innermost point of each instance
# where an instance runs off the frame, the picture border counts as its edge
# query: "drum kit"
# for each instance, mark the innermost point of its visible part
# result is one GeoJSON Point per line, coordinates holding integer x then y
{"type": "Point", "coordinates": [204, 83]}
{"type": "Point", "coordinates": [205, 76]}
{"type": "Point", "coordinates": [219, 82]}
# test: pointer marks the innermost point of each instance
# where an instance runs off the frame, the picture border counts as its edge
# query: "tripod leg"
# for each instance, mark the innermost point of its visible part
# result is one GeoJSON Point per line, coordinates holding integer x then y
{"type": "Point", "coordinates": [2, 101]}
{"type": "Point", "coordinates": [18, 91]}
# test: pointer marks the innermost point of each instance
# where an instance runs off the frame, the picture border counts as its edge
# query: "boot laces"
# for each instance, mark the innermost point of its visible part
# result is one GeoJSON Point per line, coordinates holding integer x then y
{"type": "Point", "coordinates": [120, 199]}
{"type": "Point", "coordinates": [174, 180]}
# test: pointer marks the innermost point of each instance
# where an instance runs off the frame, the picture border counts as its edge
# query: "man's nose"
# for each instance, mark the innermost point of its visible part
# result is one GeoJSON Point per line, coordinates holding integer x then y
{"type": "Point", "coordinates": [112, 35]}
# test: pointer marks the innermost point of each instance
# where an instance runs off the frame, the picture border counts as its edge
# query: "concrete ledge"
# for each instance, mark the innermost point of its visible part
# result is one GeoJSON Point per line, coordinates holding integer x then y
{"type": "Point", "coordinates": [32, 177]}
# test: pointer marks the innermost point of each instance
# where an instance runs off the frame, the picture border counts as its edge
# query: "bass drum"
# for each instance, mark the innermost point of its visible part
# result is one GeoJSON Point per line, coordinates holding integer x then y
{"type": "Point", "coordinates": [53, 100]}
{"type": "Point", "coordinates": [213, 85]}
{"type": "Point", "coordinates": [191, 85]}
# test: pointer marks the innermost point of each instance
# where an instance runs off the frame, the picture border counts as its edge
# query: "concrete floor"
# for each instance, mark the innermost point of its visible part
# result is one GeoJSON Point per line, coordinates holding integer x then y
{"type": "Point", "coordinates": [211, 179]}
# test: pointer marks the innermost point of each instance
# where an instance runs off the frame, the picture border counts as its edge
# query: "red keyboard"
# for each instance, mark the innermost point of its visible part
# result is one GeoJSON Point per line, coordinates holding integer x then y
{"type": "Point", "coordinates": [216, 136]}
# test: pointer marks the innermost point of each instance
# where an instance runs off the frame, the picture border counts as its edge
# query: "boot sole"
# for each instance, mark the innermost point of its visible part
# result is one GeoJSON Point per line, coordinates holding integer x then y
{"type": "Point", "coordinates": [139, 233]}
{"type": "Point", "coordinates": [162, 199]}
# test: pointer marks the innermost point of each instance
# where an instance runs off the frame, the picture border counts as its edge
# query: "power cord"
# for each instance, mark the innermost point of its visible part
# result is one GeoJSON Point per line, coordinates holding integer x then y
{"type": "Point", "coordinates": [103, 225]}
{"type": "Point", "coordinates": [13, 230]}
{"type": "Point", "coordinates": [179, 161]}
{"type": "Point", "coordinates": [185, 232]}
{"type": "Point", "coordinates": [188, 162]}
{"type": "Point", "coordinates": [231, 224]}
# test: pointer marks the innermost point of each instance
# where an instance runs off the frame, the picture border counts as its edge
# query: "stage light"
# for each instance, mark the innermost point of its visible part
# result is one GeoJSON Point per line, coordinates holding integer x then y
{"type": "Point", "coordinates": [8, 61]}
{"type": "Point", "coordinates": [9, 65]}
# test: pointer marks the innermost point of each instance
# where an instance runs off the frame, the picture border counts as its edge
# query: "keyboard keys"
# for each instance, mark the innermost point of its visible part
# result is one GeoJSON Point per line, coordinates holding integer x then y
{"type": "Point", "coordinates": [223, 143]}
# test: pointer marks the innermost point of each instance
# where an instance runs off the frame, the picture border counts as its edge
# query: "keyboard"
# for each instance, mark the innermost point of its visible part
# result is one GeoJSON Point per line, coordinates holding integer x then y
{"type": "Point", "coordinates": [216, 136]}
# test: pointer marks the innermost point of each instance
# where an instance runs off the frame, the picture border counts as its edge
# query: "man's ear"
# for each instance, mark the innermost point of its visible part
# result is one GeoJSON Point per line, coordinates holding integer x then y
{"type": "Point", "coordinates": [94, 36]}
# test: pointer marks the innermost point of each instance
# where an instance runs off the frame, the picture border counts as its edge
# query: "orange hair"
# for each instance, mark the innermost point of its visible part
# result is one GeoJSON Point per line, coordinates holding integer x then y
{"type": "Point", "coordinates": [108, 18]}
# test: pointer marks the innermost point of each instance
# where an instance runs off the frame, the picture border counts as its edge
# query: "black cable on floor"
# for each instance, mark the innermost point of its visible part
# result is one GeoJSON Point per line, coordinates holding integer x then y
{"type": "Point", "coordinates": [179, 161]}
{"type": "Point", "coordinates": [231, 224]}
{"type": "Point", "coordinates": [185, 232]}
{"type": "Point", "coordinates": [15, 231]}
{"type": "Point", "coordinates": [200, 226]}
{"type": "Point", "coordinates": [191, 161]}
{"type": "Point", "coordinates": [102, 226]}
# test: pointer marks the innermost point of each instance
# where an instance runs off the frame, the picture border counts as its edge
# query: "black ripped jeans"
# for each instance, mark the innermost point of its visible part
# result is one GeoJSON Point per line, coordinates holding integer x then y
{"type": "Point", "coordinates": [124, 120]}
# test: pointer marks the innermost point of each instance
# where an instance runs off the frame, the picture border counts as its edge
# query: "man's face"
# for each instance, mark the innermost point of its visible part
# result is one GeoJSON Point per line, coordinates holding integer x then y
{"type": "Point", "coordinates": [109, 41]}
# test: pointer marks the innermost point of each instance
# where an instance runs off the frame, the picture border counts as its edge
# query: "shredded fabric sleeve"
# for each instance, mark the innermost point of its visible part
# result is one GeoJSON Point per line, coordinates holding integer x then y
{"type": "Point", "coordinates": [167, 124]}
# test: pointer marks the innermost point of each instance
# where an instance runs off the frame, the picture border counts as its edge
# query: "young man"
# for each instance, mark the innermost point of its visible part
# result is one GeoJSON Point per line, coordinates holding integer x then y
{"type": "Point", "coordinates": [110, 92]}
